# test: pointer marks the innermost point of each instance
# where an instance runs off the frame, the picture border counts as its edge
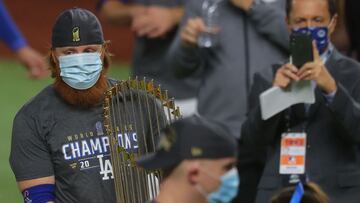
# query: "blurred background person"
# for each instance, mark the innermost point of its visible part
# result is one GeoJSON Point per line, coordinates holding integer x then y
{"type": "Point", "coordinates": [154, 24]}
{"type": "Point", "coordinates": [340, 37]}
{"type": "Point", "coordinates": [345, 37]}
{"type": "Point", "coordinates": [11, 36]}
{"type": "Point", "coordinates": [198, 162]}
{"type": "Point", "coordinates": [310, 193]}
{"type": "Point", "coordinates": [352, 8]}
{"type": "Point", "coordinates": [252, 34]}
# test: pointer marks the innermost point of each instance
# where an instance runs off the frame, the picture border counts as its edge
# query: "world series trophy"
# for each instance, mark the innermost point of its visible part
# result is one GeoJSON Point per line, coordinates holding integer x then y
{"type": "Point", "coordinates": [134, 113]}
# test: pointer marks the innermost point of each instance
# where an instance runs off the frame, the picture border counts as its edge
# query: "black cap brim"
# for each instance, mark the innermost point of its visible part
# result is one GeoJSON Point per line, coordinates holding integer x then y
{"type": "Point", "coordinates": [157, 160]}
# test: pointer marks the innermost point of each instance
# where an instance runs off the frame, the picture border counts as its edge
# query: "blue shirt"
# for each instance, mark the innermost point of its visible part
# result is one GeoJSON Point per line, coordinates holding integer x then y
{"type": "Point", "coordinates": [9, 33]}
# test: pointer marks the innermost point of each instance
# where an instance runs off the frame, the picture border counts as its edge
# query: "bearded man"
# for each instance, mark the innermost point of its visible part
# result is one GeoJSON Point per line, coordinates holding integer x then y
{"type": "Point", "coordinates": [59, 149]}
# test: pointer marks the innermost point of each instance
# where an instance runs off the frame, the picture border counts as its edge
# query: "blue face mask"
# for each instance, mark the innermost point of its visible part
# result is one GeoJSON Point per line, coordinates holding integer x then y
{"type": "Point", "coordinates": [80, 71]}
{"type": "Point", "coordinates": [228, 188]}
{"type": "Point", "coordinates": [318, 34]}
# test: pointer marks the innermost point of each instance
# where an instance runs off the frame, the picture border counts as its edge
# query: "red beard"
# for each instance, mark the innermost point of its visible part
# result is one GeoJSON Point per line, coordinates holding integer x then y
{"type": "Point", "coordinates": [82, 98]}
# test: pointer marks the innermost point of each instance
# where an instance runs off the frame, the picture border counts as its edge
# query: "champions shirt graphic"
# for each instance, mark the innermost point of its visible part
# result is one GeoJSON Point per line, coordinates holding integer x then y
{"type": "Point", "coordinates": [91, 151]}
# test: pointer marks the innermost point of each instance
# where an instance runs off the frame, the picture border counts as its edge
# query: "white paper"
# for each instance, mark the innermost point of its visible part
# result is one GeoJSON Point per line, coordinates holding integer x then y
{"type": "Point", "coordinates": [276, 99]}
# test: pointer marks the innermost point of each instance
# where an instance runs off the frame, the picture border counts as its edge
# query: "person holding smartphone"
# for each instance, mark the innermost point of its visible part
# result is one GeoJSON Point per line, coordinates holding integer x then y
{"type": "Point", "coordinates": [328, 131]}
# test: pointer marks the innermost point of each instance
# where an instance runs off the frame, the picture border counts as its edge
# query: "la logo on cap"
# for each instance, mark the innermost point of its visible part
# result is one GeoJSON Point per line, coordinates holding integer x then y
{"type": "Point", "coordinates": [76, 34]}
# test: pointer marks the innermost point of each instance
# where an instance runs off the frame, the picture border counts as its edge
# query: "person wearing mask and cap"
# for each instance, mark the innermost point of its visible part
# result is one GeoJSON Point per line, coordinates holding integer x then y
{"type": "Point", "coordinates": [59, 149]}
{"type": "Point", "coordinates": [197, 161]}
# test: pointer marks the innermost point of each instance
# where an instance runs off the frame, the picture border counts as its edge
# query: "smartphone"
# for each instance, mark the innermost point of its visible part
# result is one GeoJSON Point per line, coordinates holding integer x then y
{"type": "Point", "coordinates": [301, 49]}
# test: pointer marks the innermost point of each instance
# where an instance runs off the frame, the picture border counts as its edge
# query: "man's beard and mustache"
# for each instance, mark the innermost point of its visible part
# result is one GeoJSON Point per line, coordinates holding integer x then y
{"type": "Point", "coordinates": [82, 98]}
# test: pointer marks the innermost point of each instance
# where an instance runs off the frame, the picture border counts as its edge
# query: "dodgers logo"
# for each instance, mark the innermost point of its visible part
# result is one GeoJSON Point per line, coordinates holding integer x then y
{"type": "Point", "coordinates": [321, 33]}
{"type": "Point", "coordinates": [26, 197]}
{"type": "Point", "coordinates": [105, 168]}
{"type": "Point", "coordinates": [99, 128]}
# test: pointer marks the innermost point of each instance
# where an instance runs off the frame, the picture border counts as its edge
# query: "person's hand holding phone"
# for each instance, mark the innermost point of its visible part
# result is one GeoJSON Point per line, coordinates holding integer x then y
{"type": "Point", "coordinates": [301, 53]}
{"type": "Point", "coordinates": [312, 67]}
{"type": "Point", "coordinates": [285, 75]}
{"type": "Point", "coordinates": [317, 71]}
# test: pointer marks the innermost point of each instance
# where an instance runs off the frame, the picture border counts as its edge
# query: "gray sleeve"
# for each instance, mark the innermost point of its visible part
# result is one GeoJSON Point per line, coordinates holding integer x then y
{"type": "Point", "coordinates": [185, 60]}
{"type": "Point", "coordinates": [29, 157]}
{"type": "Point", "coordinates": [269, 20]}
{"type": "Point", "coordinates": [346, 110]}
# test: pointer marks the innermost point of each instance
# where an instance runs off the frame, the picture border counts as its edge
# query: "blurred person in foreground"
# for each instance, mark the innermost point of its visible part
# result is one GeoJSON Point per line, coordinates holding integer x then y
{"type": "Point", "coordinates": [330, 126]}
{"type": "Point", "coordinates": [155, 24]}
{"type": "Point", "coordinates": [198, 163]}
{"type": "Point", "coordinates": [12, 37]}
{"type": "Point", "coordinates": [60, 151]}
{"type": "Point", "coordinates": [310, 192]}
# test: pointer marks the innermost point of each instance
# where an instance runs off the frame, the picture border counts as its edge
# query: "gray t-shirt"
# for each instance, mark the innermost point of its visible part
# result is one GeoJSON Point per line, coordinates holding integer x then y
{"type": "Point", "coordinates": [51, 137]}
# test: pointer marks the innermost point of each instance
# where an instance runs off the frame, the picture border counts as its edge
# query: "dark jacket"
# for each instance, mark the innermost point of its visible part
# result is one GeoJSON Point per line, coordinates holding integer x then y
{"type": "Point", "coordinates": [333, 135]}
